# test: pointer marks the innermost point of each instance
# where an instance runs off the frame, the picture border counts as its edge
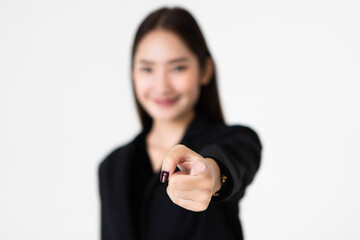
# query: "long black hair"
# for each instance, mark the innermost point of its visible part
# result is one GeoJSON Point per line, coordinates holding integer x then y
{"type": "Point", "coordinates": [183, 24]}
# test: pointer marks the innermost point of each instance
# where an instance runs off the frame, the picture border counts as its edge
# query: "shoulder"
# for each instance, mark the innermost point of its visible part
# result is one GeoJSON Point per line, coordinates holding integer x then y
{"type": "Point", "coordinates": [119, 155]}
{"type": "Point", "coordinates": [222, 131]}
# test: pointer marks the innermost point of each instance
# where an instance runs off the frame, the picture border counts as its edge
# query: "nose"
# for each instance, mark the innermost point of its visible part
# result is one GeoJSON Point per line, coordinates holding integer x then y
{"type": "Point", "coordinates": [162, 83]}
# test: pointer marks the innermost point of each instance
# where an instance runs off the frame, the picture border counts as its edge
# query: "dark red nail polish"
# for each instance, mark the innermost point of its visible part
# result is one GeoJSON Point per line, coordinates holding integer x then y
{"type": "Point", "coordinates": [164, 176]}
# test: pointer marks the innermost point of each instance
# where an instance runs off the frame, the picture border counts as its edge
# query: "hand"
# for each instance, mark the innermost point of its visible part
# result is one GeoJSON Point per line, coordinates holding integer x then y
{"type": "Point", "coordinates": [198, 179]}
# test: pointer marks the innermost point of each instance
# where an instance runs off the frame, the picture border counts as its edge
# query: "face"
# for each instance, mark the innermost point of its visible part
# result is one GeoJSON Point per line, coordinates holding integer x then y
{"type": "Point", "coordinates": [167, 76]}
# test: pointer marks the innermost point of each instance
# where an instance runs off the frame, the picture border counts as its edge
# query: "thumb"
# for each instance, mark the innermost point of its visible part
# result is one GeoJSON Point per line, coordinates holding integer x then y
{"type": "Point", "coordinates": [180, 156]}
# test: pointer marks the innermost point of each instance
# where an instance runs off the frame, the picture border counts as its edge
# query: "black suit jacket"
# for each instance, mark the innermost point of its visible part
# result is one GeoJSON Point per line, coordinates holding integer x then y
{"type": "Point", "coordinates": [236, 149]}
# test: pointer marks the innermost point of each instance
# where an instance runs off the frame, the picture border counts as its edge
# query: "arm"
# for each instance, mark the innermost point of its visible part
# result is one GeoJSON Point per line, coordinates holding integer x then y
{"type": "Point", "coordinates": [236, 153]}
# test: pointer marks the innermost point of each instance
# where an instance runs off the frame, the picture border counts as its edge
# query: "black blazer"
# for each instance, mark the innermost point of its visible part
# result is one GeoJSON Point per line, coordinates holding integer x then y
{"type": "Point", "coordinates": [135, 205]}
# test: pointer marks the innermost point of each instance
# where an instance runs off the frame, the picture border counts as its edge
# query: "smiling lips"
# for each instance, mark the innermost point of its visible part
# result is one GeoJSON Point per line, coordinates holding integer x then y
{"type": "Point", "coordinates": [166, 102]}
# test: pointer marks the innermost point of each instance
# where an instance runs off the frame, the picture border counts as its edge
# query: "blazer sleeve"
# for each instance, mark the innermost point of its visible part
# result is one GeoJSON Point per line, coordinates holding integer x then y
{"type": "Point", "coordinates": [104, 200]}
{"type": "Point", "coordinates": [237, 150]}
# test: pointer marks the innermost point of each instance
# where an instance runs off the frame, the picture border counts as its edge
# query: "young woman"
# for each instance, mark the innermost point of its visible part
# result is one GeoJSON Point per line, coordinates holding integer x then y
{"type": "Point", "coordinates": [204, 165]}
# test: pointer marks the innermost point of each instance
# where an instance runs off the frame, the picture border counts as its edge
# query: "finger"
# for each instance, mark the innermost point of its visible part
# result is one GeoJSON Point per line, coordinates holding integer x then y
{"type": "Point", "coordinates": [190, 204]}
{"type": "Point", "coordinates": [194, 195]}
{"type": "Point", "coordinates": [179, 181]}
{"type": "Point", "coordinates": [178, 155]}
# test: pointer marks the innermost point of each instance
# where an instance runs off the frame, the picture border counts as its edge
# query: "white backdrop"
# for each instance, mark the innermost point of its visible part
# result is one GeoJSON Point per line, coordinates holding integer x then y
{"type": "Point", "coordinates": [289, 69]}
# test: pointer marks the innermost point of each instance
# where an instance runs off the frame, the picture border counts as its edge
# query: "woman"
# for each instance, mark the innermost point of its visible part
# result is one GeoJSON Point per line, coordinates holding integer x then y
{"type": "Point", "coordinates": [204, 165]}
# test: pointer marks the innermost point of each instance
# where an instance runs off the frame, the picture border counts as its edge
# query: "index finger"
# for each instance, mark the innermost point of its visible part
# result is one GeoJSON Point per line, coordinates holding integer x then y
{"type": "Point", "coordinates": [178, 154]}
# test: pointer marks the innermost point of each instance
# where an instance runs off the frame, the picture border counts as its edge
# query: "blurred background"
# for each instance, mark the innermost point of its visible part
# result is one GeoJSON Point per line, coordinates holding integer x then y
{"type": "Point", "coordinates": [289, 69]}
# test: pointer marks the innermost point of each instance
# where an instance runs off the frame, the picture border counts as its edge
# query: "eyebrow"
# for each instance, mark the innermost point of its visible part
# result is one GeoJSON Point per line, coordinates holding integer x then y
{"type": "Point", "coordinates": [176, 60]}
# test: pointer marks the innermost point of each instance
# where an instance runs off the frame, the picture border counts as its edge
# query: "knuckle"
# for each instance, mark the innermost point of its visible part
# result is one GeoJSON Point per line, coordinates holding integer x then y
{"type": "Point", "coordinates": [174, 193]}
{"type": "Point", "coordinates": [202, 167]}
{"type": "Point", "coordinates": [175, 182]}
{"type": "Point", "coordinates": [170, 191]}
{"type": "Point", "coordinates": [176, 201]}
{"type": "Point", "coordinates": [180, 146]}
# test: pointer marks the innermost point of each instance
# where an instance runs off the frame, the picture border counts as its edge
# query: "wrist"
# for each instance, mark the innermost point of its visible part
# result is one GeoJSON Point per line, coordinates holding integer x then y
{"type": "Point", "coordinates": [216, 175]}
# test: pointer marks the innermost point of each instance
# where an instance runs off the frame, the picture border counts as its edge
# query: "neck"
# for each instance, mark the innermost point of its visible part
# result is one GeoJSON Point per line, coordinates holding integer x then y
{"type": "Point", "coordinates": [169, 133]}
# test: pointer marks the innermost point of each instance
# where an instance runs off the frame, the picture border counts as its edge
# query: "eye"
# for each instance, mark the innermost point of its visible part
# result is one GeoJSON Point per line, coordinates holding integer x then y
{"type": "Point", "coordinates": [179, 68]}
{"type": "Point", "coordinates": [146, 69]}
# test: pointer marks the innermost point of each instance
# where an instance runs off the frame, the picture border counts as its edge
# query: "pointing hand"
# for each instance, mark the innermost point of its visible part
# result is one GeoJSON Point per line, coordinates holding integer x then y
{"type": "Point", "coordinates": [196, 182]}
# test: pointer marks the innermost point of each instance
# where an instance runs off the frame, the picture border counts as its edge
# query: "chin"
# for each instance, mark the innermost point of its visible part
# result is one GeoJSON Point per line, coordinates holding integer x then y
{"type": "Point", "coordinates": [164, 117]}
{"type": "Point", "coordinates": [170, 116]}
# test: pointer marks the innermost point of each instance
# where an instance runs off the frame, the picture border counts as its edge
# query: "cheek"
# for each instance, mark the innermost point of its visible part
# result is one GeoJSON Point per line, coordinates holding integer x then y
{"type": "Point", "coordinates": [140, 93]}
{"type": "Point", "coordinates": [189, 86]}
{"type": "Point", "coordinates": [141, 86]}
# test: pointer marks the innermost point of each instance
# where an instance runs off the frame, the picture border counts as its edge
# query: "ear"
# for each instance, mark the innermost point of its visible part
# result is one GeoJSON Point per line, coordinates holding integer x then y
{"type": "Point", "coordinates": [207, 72]}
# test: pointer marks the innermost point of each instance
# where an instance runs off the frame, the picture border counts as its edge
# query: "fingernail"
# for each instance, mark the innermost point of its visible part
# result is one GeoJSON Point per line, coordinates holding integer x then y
{"type": "Point", "coordinates": [164, 176]}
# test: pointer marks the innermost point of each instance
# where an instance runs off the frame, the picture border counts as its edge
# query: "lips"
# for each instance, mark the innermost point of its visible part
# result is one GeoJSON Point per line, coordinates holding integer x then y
{"type": "Point", "coordinates": [166, 102]}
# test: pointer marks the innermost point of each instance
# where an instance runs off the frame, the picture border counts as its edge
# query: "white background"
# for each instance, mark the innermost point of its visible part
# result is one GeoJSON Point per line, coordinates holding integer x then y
{"type": "Point", "coordinates": [289, 69]}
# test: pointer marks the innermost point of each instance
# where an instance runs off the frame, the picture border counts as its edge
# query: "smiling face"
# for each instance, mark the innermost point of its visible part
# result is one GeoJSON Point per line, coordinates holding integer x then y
{"type": "Point", "coordinates": [167, 77]}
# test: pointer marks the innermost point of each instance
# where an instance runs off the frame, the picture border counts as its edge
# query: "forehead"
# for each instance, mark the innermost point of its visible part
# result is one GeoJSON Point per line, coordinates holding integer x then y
{"type": "Point", "coordinates": [162, 45]}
